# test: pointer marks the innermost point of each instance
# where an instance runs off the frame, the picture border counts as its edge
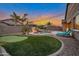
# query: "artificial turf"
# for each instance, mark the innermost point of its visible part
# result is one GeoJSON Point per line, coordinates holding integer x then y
{"type": "Point", "coordinates": [33, 46]}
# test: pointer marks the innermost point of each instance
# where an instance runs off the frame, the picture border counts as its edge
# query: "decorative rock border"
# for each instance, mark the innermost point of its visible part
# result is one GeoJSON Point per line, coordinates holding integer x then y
{"type": "Point", "coordinates": [3, 52]}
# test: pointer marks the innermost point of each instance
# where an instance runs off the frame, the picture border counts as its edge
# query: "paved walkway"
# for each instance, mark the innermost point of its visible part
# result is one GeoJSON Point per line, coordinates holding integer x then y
{"type": "Point", "coordinates": [71, 47]}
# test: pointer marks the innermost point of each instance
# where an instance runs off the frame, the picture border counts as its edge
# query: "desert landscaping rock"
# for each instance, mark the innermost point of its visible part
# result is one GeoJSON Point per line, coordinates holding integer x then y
{"type": "Point", "coordinates": [3, 52]}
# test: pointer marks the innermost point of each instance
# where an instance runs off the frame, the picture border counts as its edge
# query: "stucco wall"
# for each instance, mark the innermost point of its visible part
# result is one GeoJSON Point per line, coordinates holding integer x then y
{"type": "Point", "coordinates": [77, 22]}
{"type": "Point", "coordinates": [76, 35]}
{"type": "Point", "coordinates": [72, 11]}
{"type": "Point", "coordinates": [5, 29]}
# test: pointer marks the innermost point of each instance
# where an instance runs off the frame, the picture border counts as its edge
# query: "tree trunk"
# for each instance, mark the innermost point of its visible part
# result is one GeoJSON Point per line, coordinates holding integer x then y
{"type": "Point", "coordinates": [23, 30]}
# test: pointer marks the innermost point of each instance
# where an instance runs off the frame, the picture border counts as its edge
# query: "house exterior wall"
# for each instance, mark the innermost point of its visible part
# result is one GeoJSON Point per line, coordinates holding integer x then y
{"type": "Point", "coordinates": [72, 17]}
{"type": "Point", "coordinates": [76, 33]}
{"type": "Point", "coordinates": [77, 22]}
{"type": "Point", "coordinates": [72, 11]}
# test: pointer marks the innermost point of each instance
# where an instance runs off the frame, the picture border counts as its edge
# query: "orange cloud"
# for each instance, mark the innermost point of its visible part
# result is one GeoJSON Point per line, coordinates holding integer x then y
{"type": "Point", "coordinates": [56, 22]}
{"type": "Point", "coordinates": [45, 19]}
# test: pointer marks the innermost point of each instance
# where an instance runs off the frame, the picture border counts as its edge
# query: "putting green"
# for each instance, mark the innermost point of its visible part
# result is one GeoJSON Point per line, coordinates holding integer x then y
{"type": "Point", "coordinates": [12, 38]}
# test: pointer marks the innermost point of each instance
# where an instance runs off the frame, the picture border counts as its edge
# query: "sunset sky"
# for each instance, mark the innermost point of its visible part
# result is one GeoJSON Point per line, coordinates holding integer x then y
{"type": "Point", "coordinates": [41, 12]}
{"type": "Point", "coordinates": [33, 9]}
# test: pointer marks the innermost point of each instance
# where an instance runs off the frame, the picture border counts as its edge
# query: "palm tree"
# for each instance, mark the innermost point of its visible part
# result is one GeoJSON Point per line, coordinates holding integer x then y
{"type": "Point", "coordinates": [48, 26]}
{"type": "Point", "coordinates": [15, 17]}
{"type": "Point", "coordinates": [25, 25]}
{"type": "Point", "coordinates": [22, 20]}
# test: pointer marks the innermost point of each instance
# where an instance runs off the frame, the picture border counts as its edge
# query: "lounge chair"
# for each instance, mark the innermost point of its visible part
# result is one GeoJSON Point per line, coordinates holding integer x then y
{"type": "Point", "coordinates": [66, 34]}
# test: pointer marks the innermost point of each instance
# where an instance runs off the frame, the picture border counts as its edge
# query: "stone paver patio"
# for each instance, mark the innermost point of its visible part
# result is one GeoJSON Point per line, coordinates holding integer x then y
{"type": "Point", "coordinates": [71, 47]}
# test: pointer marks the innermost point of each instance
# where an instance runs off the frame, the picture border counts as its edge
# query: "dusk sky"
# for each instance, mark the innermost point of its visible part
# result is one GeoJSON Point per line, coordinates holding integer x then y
{"type": "Point", "coordinates": [33, 9]}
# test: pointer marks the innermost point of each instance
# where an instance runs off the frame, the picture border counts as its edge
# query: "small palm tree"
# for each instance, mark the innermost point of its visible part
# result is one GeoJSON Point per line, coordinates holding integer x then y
{"type": "Point", "coordinates": [48, 26]}
{"type": "Point", "coordinates": [26, 24]}
{"type": "Point", "coordinates": [15, 17]}
{"type": "Point", "coordinates": [22, 20]}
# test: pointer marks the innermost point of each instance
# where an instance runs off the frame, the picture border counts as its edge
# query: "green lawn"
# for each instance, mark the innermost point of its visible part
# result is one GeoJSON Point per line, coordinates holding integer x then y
{"type": "Point", "coordinates": [33, 46]}
{"type": "Point", "coordinates": [12, 38]}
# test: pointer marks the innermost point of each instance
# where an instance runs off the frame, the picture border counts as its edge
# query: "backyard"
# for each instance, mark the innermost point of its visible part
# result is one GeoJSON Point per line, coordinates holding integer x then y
{"type": "Point", "coordinates": [36, 32]}
{"type": "Point", "coordinates": [34, 45]}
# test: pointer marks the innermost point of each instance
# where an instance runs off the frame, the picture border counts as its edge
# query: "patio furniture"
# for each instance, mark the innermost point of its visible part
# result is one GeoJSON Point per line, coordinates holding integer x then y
{"type": "Point", "coordinates": [65, 34]}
